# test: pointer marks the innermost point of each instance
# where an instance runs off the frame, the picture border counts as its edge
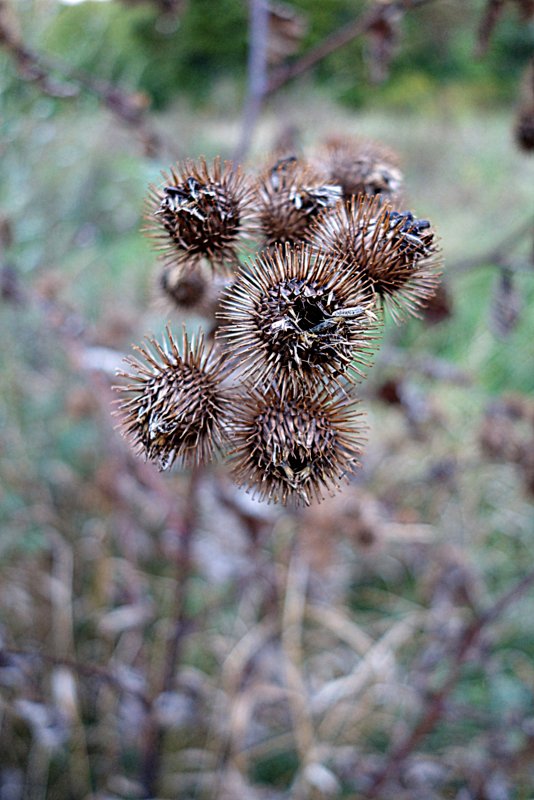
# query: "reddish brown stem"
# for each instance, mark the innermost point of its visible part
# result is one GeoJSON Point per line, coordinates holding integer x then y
{"type": "Point", "coordinates": [436, 704]}
{"type": "Point", "coordinates": [154, 735]}
{"type": "Point", "coordinates": [338, 39]}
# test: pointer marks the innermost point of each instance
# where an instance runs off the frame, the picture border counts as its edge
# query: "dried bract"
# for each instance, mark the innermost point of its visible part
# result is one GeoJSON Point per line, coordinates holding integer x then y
{"type": "Point", "coordinates": [362, 167]}
{"type": "Point", "coordinates": [295, 447]}
{"type": "Point", "coordinates": [295, 318]}
{"type": "Point", "coordinates": [201, 213]}
{"type": "Point", "coordinates": [395, 252]}
{"type": "Point", "coordinates": [176, 408]}
{"type": "Point", "coordinates": [290, 195]}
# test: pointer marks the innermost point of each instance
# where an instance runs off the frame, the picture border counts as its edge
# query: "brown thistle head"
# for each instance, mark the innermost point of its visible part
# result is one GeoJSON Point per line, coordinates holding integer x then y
{"type": "Point", "coordinates": [200, 213]}
{"type": "Point", "coordinates": [190, 291]}
{"type": "Point", "coordinates": [524, 124]}
{"type": "Point", "coordinates": [360, 166]}
{"type": "Point", "coordinates": [295, 447]}
{"type": "Point", "coordinates": [394, 252]}
{"type": "Point", "coordinates": [294, 318]}
{"type": "Point", "coordinates": [289, 197]}
{"type": "Point", "coordinates": [175, 407]}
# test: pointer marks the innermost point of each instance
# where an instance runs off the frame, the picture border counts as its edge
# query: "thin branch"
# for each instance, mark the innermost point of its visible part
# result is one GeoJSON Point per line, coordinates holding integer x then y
{"type": "Point", "coordinates": [338, 39]}
{"type": "Point", "coordinates": [155, 736]}
{"type": "Point", "coordinates": [86, 670]}
{"type": "Point", "coordinates": [130, 108]}
{"type": "Point", "coordinates": [257, 74]}
{"type": "Point", "coordinates": [436, 705]}
{"type": "Point", "coordinates": [500, 254]}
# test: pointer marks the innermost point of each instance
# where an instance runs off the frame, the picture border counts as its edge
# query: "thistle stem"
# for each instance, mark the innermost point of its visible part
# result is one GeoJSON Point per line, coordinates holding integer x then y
{"type": "Point", "coordinates": [155, 736]}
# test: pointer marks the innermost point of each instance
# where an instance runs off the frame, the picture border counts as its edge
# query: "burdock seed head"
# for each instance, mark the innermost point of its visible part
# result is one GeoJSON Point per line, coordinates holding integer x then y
{"type": "Point", "coordinates": [524, 124]}
{"type": "Point", "coordinates": [394, 251]}
{"type": "Point", "coordinates": [360, 166]}
{"type": "Point", "coordinates": [289, 197]}
{"type": "Point", "coordinates": [294, 318]}
{"type": "Point", "coordinates": [200, 212]}
{"type": "Point", "coordinates": [297, 446]}
{"type": "Point", "coordinates": [190, 291]}
{"type": "Point", "coordinates": [176, 407]}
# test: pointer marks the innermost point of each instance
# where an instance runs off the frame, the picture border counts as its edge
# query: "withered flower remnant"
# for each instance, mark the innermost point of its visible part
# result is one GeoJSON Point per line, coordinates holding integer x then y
{"type": "Point", "coordinates": [200, 213]}
{"type": "Point", "coordinates": [396, 253]}
{"type": "Point", "coordinates": [176, 407]}
{"type": "Point", "coordinates": [289, 197]}
{"type": "Point", "coordinates": [360, 166]}
{"type": "Point", "coordinates": [295, 446]}
{"type": "Point", "coordinates": [298, 319]}
{"type": "Point", "coordinates": [524, 124]}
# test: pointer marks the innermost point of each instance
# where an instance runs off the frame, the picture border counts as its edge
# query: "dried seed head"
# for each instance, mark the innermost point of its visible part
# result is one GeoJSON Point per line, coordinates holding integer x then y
{"type": "Point", "coordinates": [290, 195]}
{"type": "Point", "coordinates": [297, 446]}
{"type": "Point", "coordinates": [524, 125]}
{"type": "Point", "coordinates": [397, 253]}
{"type": "Point", "coordinates": [294, 318]}
{"type": "Point", "coordinates": [362, 167]}
{"type": "Point", "coordinates": [201, 212]}
{"type": "Point", "coordinates": [176, 408]}
{"type": "Point", "coordinates": [186, 291]}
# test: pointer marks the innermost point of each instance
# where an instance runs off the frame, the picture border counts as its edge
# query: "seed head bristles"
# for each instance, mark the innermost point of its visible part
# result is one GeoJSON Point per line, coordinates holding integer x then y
{"type": "Point", "coordinates": [289, 196]}
{"type": "Point", "coordinates": [176, 409]}
{"type": "Point", "coordinates": [295, 318]}
{"type": "Point", "coordinates": [361, 167]}
{"type": "Point", "coordinates": [295, 447]}
{"type": "Point", "coordinates": [397, 254]}
{"type": "Point", "coordinates": [200, 213]}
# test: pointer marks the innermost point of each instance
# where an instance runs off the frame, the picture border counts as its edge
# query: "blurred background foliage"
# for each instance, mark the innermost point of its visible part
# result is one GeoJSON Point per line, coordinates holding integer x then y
{"type": "Point", "coordinates": [442, 521]}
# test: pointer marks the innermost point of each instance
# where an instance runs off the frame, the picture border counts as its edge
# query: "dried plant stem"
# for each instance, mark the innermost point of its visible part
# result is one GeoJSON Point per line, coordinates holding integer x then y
{"type": "Point", "coordinates": [154, 735]}
{"type": "Point", "coordinates": [436, 704]}
{"type": "Point", "coordinates": [338, 39]}
{"type": "Point", "coordinates": [257, 74]}
{"type": "Point", "coordinates": [85, 670]}
{"type": "Point", "coordinates": [500, 254]}
{"type": "Point", "coordinates": [130, 108]}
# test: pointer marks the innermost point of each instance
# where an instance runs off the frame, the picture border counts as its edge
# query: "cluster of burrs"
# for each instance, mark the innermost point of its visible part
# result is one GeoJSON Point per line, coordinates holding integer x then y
{"type": "Point", "coordinates": [293, 268]}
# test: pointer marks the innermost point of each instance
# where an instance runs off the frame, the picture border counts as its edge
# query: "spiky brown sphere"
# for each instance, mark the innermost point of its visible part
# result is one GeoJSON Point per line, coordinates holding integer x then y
{"type": "Point", "coordinates": [290, 195]}
{"type": "Point", "coordinates": [395, 252]}
{"type": "Point", "coordinates": [362, 167]}
{"type": "Point", "coordinates": [297, 446]}
{"type": "Point", "coordinates": [294, 318]}
{"type": "Point", "coordinates": [201, 212]}
{"type": "Point", "coordinates": [190, 291]}
{"type": "Point", "coordinates": [176, 409]}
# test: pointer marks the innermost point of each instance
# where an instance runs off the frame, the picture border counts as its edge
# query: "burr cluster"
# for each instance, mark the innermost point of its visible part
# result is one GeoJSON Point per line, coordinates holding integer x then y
{"type": "Point", "coordinates": [294, 270]}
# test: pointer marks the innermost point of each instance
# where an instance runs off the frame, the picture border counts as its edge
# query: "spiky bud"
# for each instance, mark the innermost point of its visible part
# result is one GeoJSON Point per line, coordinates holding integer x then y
{"type": "Point", "coordinates": [295, 447]}
{"type": "Point", "coordinates": [395, 252]}
{"type": "Point", "coordinates": [294, 318]}
{"type": "Point", "coordinates": [201, 212]}
{"type": "Point", "coordinates": [362, 167]}
{"type": "Point", "coordinates": [290, 195]}
{"type": "Point", "coordinates": [176, 409]}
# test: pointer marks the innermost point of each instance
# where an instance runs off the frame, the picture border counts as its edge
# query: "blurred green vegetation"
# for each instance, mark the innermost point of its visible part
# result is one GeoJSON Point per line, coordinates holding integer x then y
{"type": "Point", "coordinates": [72, 185]}
{"type": "Point", "coordinates": [195, 54]}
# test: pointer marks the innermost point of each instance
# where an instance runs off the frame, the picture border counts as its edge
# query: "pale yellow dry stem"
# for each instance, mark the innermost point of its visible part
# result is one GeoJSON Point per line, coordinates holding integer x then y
{"type": "Point", "coordinates": [60, 587]}
{"type": "Point", "coordinates": [292, 625]}
{"type": "Point", "coordinates": [337, 621]}
{"type": "Point", "coordinates": [377, 664]}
